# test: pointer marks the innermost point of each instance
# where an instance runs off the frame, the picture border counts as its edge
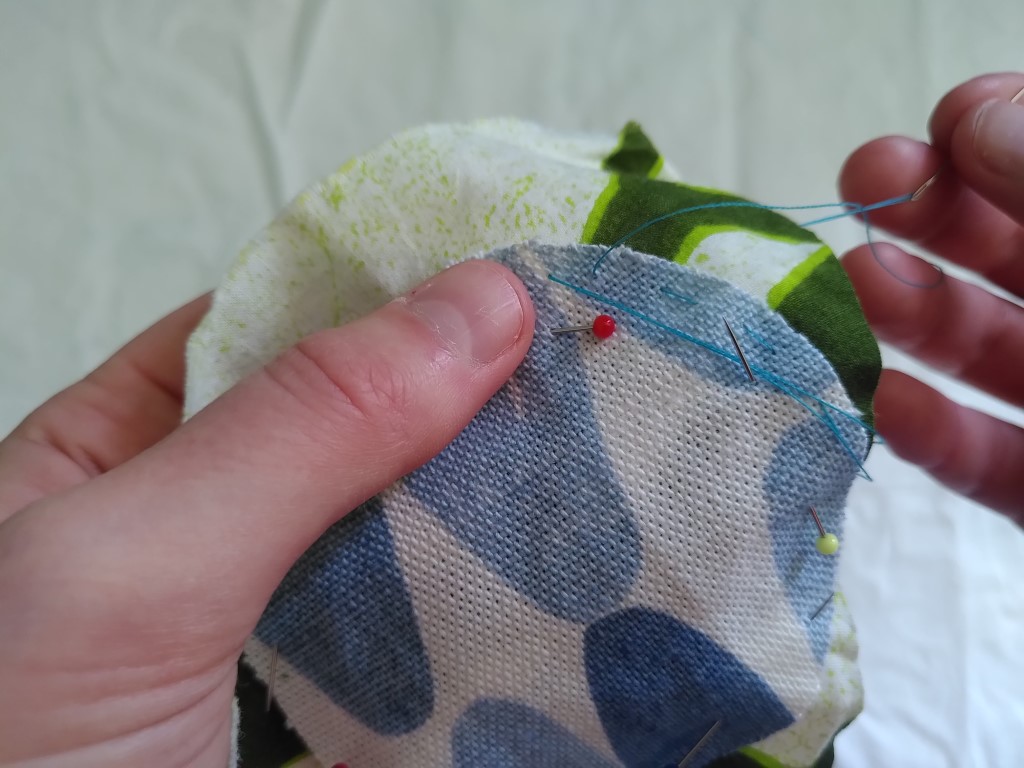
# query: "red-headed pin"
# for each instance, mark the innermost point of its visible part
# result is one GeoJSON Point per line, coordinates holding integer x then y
{"type": "Point", "coordinates": [603, 327]}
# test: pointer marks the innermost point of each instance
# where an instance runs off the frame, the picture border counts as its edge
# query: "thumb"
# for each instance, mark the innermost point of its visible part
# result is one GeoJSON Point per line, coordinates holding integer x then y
{"type": "Point", "coordinates": [235, 495]}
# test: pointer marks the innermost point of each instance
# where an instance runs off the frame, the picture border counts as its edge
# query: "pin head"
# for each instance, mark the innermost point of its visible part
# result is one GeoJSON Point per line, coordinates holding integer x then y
{"type": "Point", "coordinates": [827, 544]}
{"type": "Point", "coordinates": [604, 326]}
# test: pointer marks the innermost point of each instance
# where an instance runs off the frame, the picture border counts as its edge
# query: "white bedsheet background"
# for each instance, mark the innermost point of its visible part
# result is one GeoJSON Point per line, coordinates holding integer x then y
{"type": "Point", "coordinates": [142, 143]}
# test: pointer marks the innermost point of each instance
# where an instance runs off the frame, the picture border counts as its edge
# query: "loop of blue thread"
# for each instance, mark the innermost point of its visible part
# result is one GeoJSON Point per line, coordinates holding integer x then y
{"type": "Point", "coordinates": [941, 276]}
{"type": "Point", "coordinates": [785, 386]}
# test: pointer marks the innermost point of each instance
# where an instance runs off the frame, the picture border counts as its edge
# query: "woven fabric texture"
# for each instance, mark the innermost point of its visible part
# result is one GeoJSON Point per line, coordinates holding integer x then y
{"type": "Point", "coordinates": [616, 556]}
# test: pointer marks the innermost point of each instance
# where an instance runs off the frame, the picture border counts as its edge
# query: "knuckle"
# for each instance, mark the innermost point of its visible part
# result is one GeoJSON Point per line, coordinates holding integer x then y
{"type": "Point", "coordinates": [992, 342]}
{"type": "Point", "coordinates": [354, 393]}
{"type": "Point", "coordinates": [961, 337]}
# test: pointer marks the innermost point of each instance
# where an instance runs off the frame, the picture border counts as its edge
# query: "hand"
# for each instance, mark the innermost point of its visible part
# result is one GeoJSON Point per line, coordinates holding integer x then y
{"type": "Point", "coordinates": [972, 215]}
{"type": "Point", "coordinates": [136, 556]}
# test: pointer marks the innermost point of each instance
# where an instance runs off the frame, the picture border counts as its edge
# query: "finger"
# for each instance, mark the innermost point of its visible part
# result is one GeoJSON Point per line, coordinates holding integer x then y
{"type": "Point", "coordinates": [236, 494]}
{"type": "Point", "coordinates": [953, 326]}
{"type": "Point", "coordinates": [983, 133]}
{"type": "Point", "coordinates": [952, 108]}
{"type": "Point", "coordinates": [126, 405]}
{"type": "Point", "coordinates": [969, 451]}
{"type": "Point", "coordinates": [950, 219]}
{"type": "Point", "coordinates": [987, 149]}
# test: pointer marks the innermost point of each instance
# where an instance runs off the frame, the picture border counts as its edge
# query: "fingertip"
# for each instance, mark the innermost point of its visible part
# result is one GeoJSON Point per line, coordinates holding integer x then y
{"type": "Point", "coordinates": [987, 150]}
{"type": "Point", "coordinates": [529, 313]}
{"type": "Point", "coordinates": [952, 107]}
{"type": "Point", "coordinates": [967, 146]}
{"type": "Point", "coordinates": [859, 175]}
{"type": "Point", "coordinates": [478, 311]}
{"type": "Point", "coordinates": [908, 414]}
{"type": "Point", "coordinates": [894, 166]}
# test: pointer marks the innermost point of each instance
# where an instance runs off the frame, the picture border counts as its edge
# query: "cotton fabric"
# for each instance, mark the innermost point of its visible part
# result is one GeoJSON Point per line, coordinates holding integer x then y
{"type": "Point", "coordinates": [617, 554]}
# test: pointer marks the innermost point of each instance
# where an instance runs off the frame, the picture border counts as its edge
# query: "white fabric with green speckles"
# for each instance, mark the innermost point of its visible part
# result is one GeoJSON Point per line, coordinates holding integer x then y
{"type": "Point", "coordinates": [438, 624]}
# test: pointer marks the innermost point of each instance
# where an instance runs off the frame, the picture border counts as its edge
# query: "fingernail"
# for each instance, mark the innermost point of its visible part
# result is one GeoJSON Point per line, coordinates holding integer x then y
{"type": "Point", "coordinates": [473, 308]}
{"type": "Point", "coordinates": [999, 138]}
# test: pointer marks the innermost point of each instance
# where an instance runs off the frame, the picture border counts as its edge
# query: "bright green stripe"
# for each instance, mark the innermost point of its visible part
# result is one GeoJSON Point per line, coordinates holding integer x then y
{"type": "Point", "coordinates": [640, 199]}
{"type": "Point", "coordinates": [598, 211]}
{"type": "Point", "coordinates": [701, 233]}
{"type": "Point", "coordinates": [815, 298]}
{"type": "Point", "coordinates": [824, 308]}
{"type": "Point", "coordinates": [767, 761]}
{"type": "Point", "coordinates": [634, 153]}
{"type": "Point", "coordinates": [656, 168]}
{"type": "Point", "coordinates": [797, 275]}
{"type": "Point", "coordinates": [297, 760]}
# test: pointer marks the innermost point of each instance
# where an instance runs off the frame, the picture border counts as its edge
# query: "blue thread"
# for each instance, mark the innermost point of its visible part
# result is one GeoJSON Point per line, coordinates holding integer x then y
{"type": "Point", "coordinates": [758, 338]}
{"type": "Point", "coordinates": [941, 275]}
{"type": "Point", "coordinates": [857, 208]}
{"type": "Point", "coordinates": [849, 209]}
{"type": "Point", "coordinates": [844, 442]}
{"type": "Point", "coordinates": [681, 297]}
{"type": "Point", "coordinates": [705, 207]}
{"type": "Point", "coordinates": [785, 386]}
{"type": "Point", "coordinates": [656, 323]}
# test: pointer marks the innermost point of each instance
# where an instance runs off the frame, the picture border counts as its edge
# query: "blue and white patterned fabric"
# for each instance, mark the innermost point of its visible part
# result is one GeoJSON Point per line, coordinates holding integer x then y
{"type": "Point", "coordinates": [615, 558]}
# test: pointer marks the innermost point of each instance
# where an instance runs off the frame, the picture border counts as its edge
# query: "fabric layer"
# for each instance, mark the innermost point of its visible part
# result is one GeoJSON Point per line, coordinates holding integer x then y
{"type": "Point", "coordinates": [640, 486]}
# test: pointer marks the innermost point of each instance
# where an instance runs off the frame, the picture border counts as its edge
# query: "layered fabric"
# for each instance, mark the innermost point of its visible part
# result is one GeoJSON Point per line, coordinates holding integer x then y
{"type": "Point", "coordinates": [615, 563]}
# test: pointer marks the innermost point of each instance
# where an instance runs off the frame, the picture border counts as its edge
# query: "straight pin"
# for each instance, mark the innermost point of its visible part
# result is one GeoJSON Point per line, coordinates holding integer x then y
{"type": "Point", "coordinates": [700, 744]}
{"type": "Point", "coordinates": [828, 543]}
{"type": "Point", "coordinates": [1018, 97]}
{"type": "Point", "coordinates": [603, 327]}
{"type": "Point", "coordinates": [821, 607]}
{"type": "Point", "coordinates": [817, 521]}
{"type": "Point", "coordinates": [271, 679]}
{"type": "Point", "coordinates": [739, 350]}
{"type": "Point", "coordinates": [572, 329]}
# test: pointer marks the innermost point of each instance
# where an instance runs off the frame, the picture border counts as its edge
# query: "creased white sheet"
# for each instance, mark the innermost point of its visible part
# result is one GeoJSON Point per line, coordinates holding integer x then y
{"type": "Point", "coordinates": [142, 142]}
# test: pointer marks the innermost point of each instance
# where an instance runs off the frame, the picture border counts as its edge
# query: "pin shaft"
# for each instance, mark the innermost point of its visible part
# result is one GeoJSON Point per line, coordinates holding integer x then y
{"type": "Point", "coordinates": [822, 606]}
{"type": "Point", "coordinates": [271, 679]}
{"type": "Point", "coordinates": [572, 329]}
{"type": "Point", "coordinates": [817, 522]}
{"type": "Point", "coordinates": [739, 351]}
{"type": "Point", "coordinates": [700, 744]}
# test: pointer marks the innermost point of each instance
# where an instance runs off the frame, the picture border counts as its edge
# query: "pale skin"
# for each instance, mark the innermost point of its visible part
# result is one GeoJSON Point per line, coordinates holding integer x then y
{"type": "Point", "coordinates": [974, 216]}
{"type": "Point", "coordinates": [136, 555]}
